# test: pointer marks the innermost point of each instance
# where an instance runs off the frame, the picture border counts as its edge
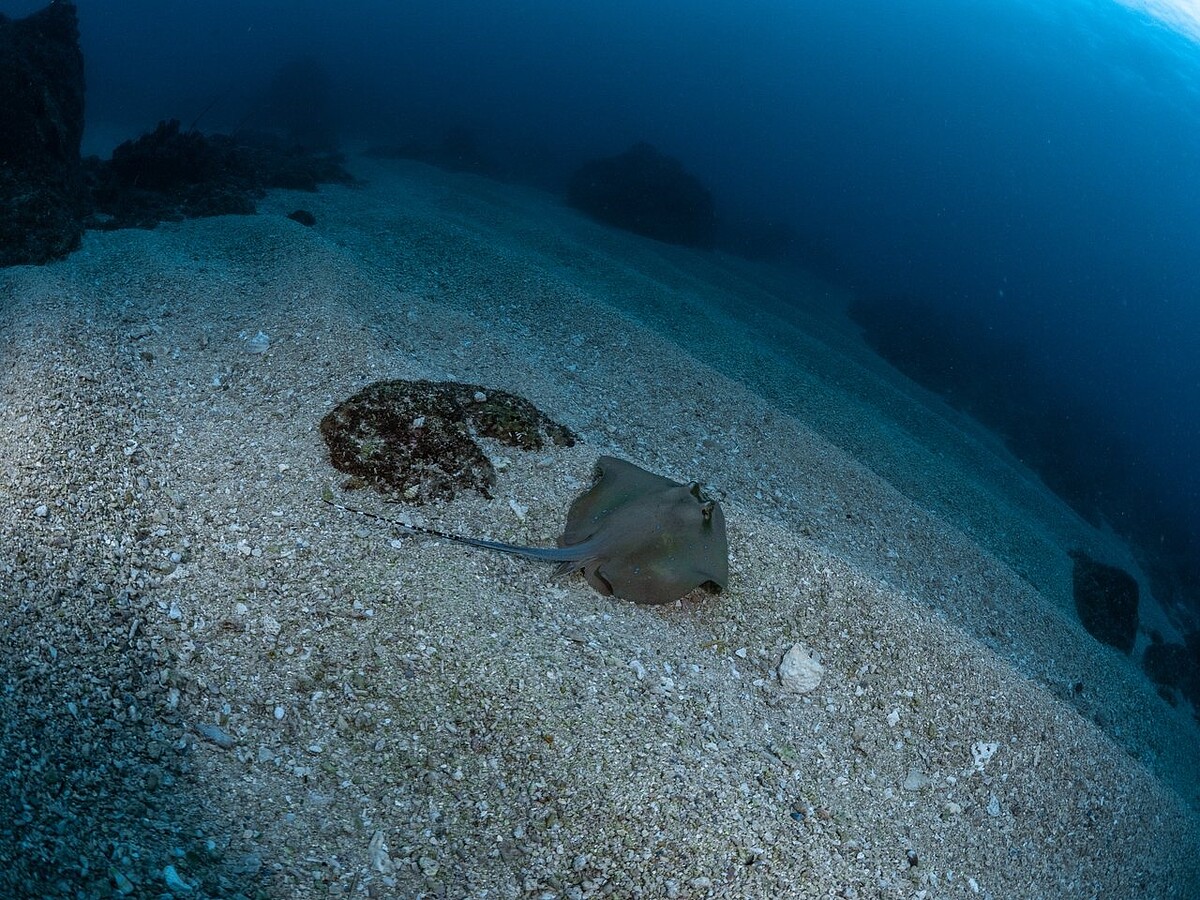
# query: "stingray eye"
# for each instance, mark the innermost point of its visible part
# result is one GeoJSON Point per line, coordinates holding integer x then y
{"type": "Point", "coordinates": [706, 510]}
{"type": "Point", "coordinates": [694, 489]}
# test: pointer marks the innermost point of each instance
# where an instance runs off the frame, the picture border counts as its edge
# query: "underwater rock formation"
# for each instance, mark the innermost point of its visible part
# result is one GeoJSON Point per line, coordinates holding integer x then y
{"type": "Point", "coordinates": [646, 192]}
{"type": "Point", "coordinates": [170, 174]}
{"type": "Point", "coordinates": [417, 439]}
{"type": "Point", "coordinates": [1106, 599]}
{"type": "Point", "coordinates": [41, 126]}
{"type": "Point", "coordinates": [1175, 667]}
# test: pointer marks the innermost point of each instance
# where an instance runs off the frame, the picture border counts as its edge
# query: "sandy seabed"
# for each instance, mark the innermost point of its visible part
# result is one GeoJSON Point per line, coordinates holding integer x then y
{"type": "Point", "coordinates": [211, 683]}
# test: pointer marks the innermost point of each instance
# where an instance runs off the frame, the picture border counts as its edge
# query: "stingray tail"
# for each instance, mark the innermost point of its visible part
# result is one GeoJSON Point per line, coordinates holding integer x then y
{"type": "Point", "coordinates": [544, 554]}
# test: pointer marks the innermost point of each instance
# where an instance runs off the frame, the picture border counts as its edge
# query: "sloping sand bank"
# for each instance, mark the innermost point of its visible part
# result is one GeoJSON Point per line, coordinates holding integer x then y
{"type": "Point", "coordinates": [210, 676]}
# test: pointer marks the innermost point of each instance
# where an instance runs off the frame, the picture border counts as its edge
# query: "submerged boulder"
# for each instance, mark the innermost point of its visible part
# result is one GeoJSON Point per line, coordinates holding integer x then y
{"type": "Point", "coordinates": [41, 126]}
{"type": "Point", "coordinates": [646, 192]}
{"type": "Point", "coordinates": [171, 174]}
{"type": "Point", "coordinates": [1106, 599]}
{"type": "Point", "coordinates": [417, 440]}
{"type": "Point", "coordinates": [1175, 667]}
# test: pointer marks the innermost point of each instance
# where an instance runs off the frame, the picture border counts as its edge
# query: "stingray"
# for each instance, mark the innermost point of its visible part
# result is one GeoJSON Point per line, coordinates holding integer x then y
{"type": "Point", "coordinates": [633, 534]}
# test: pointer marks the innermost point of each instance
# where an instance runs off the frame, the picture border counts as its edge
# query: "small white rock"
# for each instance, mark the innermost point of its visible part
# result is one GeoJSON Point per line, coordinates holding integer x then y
{"type": "Point", "coordinates": [480, 397]}
{"type": "Point", "coordinates": [42, 511]}
{"type": "Point", "coordinates": [799, 671]}
{"type": "Point", "coordinates": [993, 807]}
{"type": "Point", "coordinates": [280, 712]}
{"type": "Point", "coordinates": [893, 718]}
{"type": "Point", "coordinates": [638, 669]}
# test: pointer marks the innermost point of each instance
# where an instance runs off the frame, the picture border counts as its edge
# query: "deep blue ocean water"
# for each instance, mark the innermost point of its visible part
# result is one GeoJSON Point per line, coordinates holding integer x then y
{"type": "Point", "coordinates": [1011, 188]}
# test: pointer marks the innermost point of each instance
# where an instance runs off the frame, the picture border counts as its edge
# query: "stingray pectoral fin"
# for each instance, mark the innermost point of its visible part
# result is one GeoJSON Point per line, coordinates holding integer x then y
{"type": "Point", "coordinates": [591, 571]}
{"type": "Point", "coordinates": [588, 565]}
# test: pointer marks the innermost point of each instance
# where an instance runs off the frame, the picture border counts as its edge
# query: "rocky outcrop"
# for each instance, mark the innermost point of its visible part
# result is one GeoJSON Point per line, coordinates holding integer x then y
{"type": "Point", "coordinates": [171, 174]}
{"type": "Point", "coordinates": [41, 125]}
{"type": "Point", "coordinates": [1106, 599]}
{"type": "Point", "coordinates": [646, 192]}
{"type": "Point", "coordinates": [1175, 667]}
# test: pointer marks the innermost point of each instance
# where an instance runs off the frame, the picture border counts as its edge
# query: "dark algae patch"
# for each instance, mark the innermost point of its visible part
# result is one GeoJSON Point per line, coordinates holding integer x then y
{"type": "Point", "coordinates": [418, 439]}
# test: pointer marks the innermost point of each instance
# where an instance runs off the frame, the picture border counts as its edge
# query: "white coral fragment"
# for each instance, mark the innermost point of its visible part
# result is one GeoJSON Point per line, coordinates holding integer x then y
{"type": "Point", "coordinates": [799, 670]}
{"type": "Point", "coordinates": [981, 752]}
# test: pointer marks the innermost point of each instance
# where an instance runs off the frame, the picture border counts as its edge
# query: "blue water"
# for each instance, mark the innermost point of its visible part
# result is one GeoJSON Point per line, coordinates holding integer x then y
{"type": "Point", "coordinates": [1013, 189]}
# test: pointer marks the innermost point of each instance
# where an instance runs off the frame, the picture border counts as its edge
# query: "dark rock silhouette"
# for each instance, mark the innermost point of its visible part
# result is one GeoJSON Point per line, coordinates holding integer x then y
{"type": "Point", "coordinates": [170, 174]}
{"type": "Point", "coordinates": [303, 216]}
{"type": "Point", "coordinates": [1175, 668]}
{"type": "Point", "coordinates": [1106, 599]}
{"type": "Point", "coordinates": [48, 196]}
{"type": "Point", "coordinates": [646, 192]}
{"type": "Point", "coordinates": [41, 125]}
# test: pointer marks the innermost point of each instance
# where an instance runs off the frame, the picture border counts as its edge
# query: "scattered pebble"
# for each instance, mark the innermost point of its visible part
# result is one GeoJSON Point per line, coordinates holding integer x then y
{"type": "Point", "coordinates": [377, 850]}
{"type": "Point", "coordinates": [215, 734]}
{"type": "Point", "coordinates": [174, 882]}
